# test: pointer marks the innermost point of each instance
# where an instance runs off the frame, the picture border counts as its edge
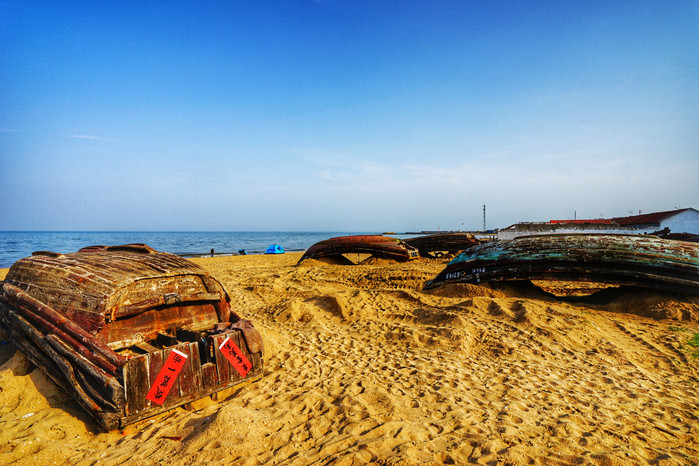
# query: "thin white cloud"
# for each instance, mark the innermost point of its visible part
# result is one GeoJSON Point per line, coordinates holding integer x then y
{"type": "Point", "coordinates": [94, 138]}
{"type": "Point", "coordinates": [328, 176]}
{"type": "Point", "coordinates": [10, 130]}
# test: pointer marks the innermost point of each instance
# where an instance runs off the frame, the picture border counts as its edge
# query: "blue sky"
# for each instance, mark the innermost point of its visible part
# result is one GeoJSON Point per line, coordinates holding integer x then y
{"type": "Point", "coordinates": [344, 115]}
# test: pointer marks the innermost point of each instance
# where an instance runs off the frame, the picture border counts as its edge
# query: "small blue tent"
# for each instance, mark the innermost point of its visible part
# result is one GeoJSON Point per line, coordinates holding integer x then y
{"type": "Point", "coordinates": [274, 249]}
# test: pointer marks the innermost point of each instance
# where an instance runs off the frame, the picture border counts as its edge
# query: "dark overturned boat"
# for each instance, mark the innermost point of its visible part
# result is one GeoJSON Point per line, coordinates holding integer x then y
{"type": "Point", "coordinates": [379, 246]}
{"type": "Point", "coordinates": [127, 331]}
{"type": "Point", "coordinates": [442, 243]}
{"type": "Point", "coordinates": [643, 261]}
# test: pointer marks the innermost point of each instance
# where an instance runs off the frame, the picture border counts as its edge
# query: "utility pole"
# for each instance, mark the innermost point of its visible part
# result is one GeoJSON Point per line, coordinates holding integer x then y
{"type": "Point", "coordinates": [484, 217]}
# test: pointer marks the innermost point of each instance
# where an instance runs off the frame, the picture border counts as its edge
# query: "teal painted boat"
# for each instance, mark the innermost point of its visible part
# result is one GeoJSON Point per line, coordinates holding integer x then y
{"type": "Point", "coordinates": [637, 260]}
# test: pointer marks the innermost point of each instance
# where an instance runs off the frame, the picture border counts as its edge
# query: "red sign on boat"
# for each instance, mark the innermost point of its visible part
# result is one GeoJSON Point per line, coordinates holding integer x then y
{"type": "Point", "coordinates": [166, 377]}
{"type": "Point", "coordinates": [235, 356]}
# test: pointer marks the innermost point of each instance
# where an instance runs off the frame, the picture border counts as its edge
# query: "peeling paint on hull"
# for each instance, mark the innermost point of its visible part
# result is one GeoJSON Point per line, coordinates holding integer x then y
{"type": "Point", "coordinates": [637, 260]}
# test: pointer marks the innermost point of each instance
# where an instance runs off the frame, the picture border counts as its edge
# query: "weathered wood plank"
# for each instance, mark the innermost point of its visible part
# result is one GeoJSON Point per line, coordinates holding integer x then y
{"type": "Point", "coordinates": [222, 365]}
{"type": "Point", "coordinates": [195, 364]}
{"type": "Point", "coordinates": [209, 375]}
{"type": "Point", "coordinates": [186, 375]}
{"type": "Point", "coordinates": [106, 385]}
{"type": "Point", "coordinates": [155, 365]}
{"type": "Point", "coordinates": [63, 365]}
{"type": "Point", "coordinates": [88, 386]}
{"type": "Point", "coordinates": [244, 348]}
{"type": "Point", "coordinates": [29, 349]}
{"type": "Point", "coordinates": [137, 384]}
{"type": "Point", "coordinates": [18, 297]}
{"type": "Point", "coordinates": [96, 358]}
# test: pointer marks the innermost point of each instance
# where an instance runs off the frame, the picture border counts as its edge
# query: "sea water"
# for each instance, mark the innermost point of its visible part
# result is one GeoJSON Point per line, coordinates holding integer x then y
{"type": "Point", "coordinates": [15, 245]}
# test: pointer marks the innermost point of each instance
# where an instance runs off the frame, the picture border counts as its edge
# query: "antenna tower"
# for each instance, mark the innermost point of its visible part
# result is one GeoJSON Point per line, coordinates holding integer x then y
{"type": "Point", "coordinates": [483, 217]}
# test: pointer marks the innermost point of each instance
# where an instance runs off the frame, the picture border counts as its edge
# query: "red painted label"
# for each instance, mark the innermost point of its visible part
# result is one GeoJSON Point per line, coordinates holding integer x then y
{"type": "Point", "coordinates": [235, 356]}
{"type": "Point", "coordinates": [166, 377]}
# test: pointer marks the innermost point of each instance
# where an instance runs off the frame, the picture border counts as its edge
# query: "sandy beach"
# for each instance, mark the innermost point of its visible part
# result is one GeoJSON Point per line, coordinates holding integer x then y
{"type": "Point", "coordinates": [362, 366]}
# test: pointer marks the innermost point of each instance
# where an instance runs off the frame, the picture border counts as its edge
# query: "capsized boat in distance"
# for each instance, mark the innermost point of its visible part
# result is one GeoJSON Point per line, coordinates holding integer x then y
{"type": "Point", "coordinates": [637, 260]}
{"type": "Point", "coordinates": [127, 331]}
{"type": "Point", "coordinates": [438, 244]}
{"type": "Point", "coordinates": [379, 246]}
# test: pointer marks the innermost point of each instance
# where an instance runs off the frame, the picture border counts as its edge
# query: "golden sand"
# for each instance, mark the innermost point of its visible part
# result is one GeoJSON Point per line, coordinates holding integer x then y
{"type": "Point", "coordinates": [362, 366]}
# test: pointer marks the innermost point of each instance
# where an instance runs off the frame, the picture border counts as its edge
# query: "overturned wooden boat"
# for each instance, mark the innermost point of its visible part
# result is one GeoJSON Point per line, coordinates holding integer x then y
{"type": "Point", "coordinates": [636, 260]}
{"type": "Point", "coordinates": [128, 331]}
{"type": "Point", "coordinates": [379, 246]}
{"type": "Point", "coordinates": [442, 243]}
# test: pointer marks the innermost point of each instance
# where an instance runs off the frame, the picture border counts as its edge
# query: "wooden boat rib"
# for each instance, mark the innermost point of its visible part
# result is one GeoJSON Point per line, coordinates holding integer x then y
{"type": "Point", "coordinates": [637, 260]}
{"type": "Point", "coordinates": [379, 246]}
{"type": "Point", "coordinates": [103, 321]}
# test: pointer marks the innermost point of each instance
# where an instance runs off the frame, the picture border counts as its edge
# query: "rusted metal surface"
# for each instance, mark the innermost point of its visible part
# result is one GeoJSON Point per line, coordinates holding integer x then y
{"type": "Point", "coordinates": [435, 245]}
{"type": "Point", "coordinates": [100, 321]}
{"type": "Point", "coordinates": [375, 245]}
{"type": "Point", "coordinates": [644, 261]}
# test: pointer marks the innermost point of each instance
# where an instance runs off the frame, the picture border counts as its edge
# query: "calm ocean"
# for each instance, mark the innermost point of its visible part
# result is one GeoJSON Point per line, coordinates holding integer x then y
{"type": "Point", "coordinates": [15, 245]}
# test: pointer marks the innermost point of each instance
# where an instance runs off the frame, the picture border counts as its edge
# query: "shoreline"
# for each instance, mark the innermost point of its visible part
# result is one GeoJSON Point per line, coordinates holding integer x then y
{"type": "Point", "coordinates": [16, 245]}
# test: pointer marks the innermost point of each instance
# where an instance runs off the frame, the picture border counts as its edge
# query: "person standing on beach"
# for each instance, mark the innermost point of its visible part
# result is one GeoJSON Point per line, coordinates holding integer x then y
{"type": "Point", "coordinates": [212, 252]}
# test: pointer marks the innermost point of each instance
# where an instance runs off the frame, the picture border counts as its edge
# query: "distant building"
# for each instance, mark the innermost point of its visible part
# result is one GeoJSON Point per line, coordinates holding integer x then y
{"type": "Point", "coordinates": [582, 222]}
{"type": "Point", "coordinates": [559, 228]}
{"type": "Point", "coordinates": [660, 223]}
{"type": "Point", "coordinates": [675, 221]}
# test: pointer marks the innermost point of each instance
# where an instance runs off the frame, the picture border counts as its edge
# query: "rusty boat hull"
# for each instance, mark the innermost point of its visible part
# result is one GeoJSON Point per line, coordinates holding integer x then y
{"type": "Point", "coordinates": [104, 322]}
{"type": "Point", "coordinates": [378, 246]}
{"type": "Point", "coordinates": [636, 260]}
{"type": "Point", "coordinates": [438, 244]}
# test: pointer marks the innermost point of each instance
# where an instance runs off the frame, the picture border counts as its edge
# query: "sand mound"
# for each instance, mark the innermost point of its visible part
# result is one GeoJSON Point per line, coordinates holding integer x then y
{"type": "Point", "coordinates": [377, 261]}
{"type": "Point", "coordinates": [336, 260]}
{"type": "Point", "coordinates": [656, 305]}
{"type": "Point", "coordinates": [363, 366]}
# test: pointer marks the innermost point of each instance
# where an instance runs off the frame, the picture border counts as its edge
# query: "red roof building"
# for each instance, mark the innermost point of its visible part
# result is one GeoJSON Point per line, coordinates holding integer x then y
{"type": "Point", "coordinates": [655, 217]}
